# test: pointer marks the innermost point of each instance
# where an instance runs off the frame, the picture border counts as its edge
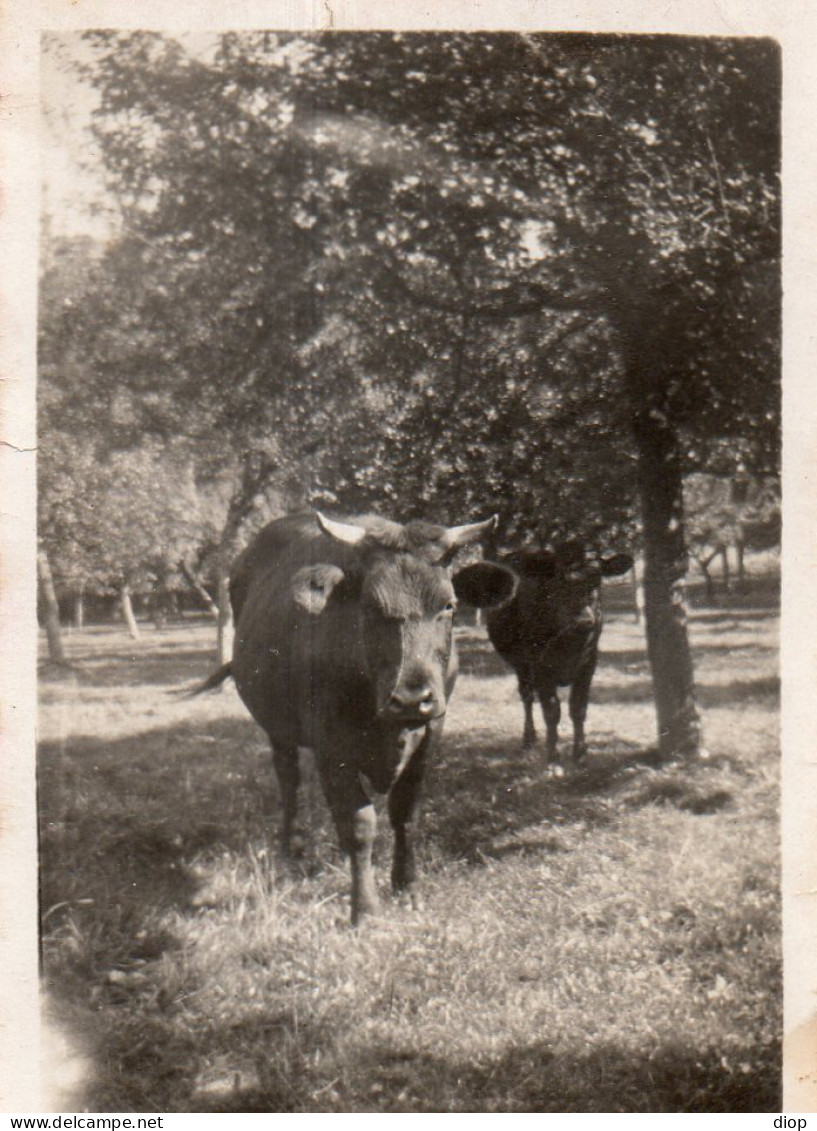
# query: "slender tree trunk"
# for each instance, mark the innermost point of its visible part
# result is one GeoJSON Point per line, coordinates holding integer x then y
{"type": "Point", "coordinates": [127, 612]}
{"type": "Point", "coordinates": [725, 563]}
{"type": "Point", "coordinates": [739, 550]}
{"type": "Point", "coordinates": [197, 587]}
{"type": "Point", "coordinates": [637, 576]}
{"type": "Point", "coordinates": [79, 609]}
{"type": "Point", "coordinates": [665, 565]}
{"type": "Point", "coordinates": [708, 582]}
{"type": "Point", "coordinates": [51, 609]}
{"type": "Point", "coordinates": [226, 630]}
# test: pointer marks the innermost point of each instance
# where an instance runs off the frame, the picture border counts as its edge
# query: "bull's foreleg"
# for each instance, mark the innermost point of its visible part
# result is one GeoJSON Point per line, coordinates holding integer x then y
{"type": "Point", "coordinates": [285, 760]}
{"type": "Point", "coordinates": [527, 693]}
{"type": "Point", "coordinates": [579, 695]}
{"type": "Point", "coordinates": [552, 711]}
{"type": "Point", "coordinates": [403, 798]}
{"type": "Point", "coordinates": [356, 822]}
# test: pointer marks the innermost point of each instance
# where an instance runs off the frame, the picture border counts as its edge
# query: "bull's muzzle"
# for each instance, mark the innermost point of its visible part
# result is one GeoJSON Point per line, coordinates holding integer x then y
{"type": "Point", "coordinates": [417, 705]}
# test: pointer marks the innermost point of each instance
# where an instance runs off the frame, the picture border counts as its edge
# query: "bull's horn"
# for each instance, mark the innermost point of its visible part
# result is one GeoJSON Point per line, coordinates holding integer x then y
{"type": "Point", "coordinates": [341, 531]}
{"type": "Point", "coordinates": [461, 535]}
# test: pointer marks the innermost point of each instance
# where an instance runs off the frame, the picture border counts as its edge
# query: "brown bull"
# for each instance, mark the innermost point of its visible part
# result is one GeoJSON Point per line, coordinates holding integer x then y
{"type": "Point", "coordinates": [344, 644]}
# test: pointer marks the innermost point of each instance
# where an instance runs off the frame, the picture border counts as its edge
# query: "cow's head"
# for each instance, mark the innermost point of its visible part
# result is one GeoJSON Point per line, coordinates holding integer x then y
{"type": "Point", "coordinates": [402, 580]}
{"type": "Point", "coordinates": [564, 583]}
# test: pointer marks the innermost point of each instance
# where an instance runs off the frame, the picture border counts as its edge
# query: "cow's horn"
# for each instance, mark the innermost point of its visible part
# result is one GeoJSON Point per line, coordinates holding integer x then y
{"type": "Point", "coordinates": [461, 535]}
{"type": "Point", "coordinates": [341, 531]}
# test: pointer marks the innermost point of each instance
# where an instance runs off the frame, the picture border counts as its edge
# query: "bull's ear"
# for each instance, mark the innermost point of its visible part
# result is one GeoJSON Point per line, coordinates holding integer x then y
{"type": "Point", "coordinates": [616, 564]}
{"type": "Point", "coordinates": [484, 584]}
{"type": "Point", "coordinates": [312, 586]}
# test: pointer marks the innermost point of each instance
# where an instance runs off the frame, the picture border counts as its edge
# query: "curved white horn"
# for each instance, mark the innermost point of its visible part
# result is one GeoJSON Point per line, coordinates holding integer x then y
{"type": "Point", "coordinates": [341, 531]}
{"type": "Point", "coordinates": [461, 535]}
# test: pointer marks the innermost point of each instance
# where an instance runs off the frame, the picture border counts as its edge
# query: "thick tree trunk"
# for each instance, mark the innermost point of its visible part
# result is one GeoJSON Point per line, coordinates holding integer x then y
{"type": "Point", "coordinates": [665, 564]}
{"type": "Point", "coordinates": [127, 612]}
{"type": "Point", "coordinates": [226, 630]}
{"type": "Point", "coordinates": [51, 609]}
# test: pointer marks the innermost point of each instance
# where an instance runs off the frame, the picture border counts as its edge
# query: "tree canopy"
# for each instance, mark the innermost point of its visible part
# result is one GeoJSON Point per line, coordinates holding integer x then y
{"type": "Point", "coordinates": [421, 223]}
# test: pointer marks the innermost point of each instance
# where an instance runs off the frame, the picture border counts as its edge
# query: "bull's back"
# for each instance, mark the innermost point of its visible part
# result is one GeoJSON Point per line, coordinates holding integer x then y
{"type": "Point", "coordinates": [525, 635]}
{"type": "Point", "coordinates": [274, 547]}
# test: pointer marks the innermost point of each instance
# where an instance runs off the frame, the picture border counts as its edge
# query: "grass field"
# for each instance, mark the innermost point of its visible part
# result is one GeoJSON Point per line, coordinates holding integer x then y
{"type": "Point", "coordinates": [604, 942]}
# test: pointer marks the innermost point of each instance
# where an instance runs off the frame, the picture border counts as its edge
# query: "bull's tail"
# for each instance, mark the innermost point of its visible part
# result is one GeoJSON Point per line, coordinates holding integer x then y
{"type": "Point", "coordinates": [214, 680]}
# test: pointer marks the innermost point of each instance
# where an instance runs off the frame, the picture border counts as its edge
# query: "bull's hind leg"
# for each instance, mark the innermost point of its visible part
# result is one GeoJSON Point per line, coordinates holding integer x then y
{"type": "Point", "coordinates": [285, 760]}
{"type": "Point", "coordinates": [403, 798]}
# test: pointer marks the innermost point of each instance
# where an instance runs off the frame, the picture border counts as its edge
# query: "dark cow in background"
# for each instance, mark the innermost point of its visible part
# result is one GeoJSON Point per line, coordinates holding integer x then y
{"type": "Point", "coordinates": [549, 633]}
{"type": "Point", "coordinates": [344, 644]}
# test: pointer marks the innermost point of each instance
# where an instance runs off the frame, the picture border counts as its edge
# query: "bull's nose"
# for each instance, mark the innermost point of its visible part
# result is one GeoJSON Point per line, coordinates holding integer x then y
{"type": "Point", "coordinates": [420, 702]}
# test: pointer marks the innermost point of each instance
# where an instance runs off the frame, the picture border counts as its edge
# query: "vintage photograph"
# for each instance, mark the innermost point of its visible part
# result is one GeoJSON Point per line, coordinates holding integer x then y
{"type": "Point", "coordinates": [408, 561]}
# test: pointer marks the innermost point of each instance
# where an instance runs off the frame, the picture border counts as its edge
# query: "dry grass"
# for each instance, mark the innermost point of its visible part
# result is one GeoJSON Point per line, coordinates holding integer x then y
{"type": "Point", "coordinates": [608, 942]}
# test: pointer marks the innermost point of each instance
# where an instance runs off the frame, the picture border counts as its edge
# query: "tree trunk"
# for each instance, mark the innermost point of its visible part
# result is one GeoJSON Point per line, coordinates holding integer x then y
{"type": "Point", "coordinates": [724, 552]}
{"type": "Point", "coordinates": [665, 565]}
{"type": "Point", "coordinates": [127, 612]}
{"type": "Point", "coordinates": [637, 574]}
{"type": "Point", "coordinates": [739, 551]}
{"type": "Point", "coordinates": [708, 582]}
{"type": "Point", "coordinates": [226, 630]}
{"type": "Point", "coordinates": [197, 587]}
{"type": "Point", "coordinates": [79, 609]}
{"type": "Point", "coordinates": [51, 609]}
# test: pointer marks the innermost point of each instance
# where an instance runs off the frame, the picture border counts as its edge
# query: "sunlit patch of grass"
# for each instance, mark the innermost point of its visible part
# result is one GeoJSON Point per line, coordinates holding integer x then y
{"type": "Point", "coordinates": [609, 941]}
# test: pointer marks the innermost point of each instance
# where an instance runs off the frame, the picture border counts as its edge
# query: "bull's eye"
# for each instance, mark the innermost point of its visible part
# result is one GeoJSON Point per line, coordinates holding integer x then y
{"type": "Point", "coordinates": [449, 609]}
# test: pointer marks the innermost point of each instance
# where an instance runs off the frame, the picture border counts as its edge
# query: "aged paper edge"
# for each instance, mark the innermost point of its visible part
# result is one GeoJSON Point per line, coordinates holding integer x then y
{"type": "Point", "coordinates": [794, 25]}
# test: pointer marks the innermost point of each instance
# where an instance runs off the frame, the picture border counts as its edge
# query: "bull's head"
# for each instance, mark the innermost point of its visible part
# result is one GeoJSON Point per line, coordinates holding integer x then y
{"type": "Point", "coordinates": [565, 582]}
{"type": "Point", "coordinates": [407, 593]}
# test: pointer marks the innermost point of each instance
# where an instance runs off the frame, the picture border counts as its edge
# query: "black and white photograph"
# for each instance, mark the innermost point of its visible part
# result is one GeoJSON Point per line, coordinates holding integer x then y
{"type": "Point", "coordinates": [408, 571]}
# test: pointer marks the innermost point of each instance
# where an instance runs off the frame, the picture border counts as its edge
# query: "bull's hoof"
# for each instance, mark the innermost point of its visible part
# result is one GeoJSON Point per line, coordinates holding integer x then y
{"type": "Point", "coordinates": [294, 845]}
{"type": "Point", "coordinates": [409, 897]}
{"type": "Point", "coordinates": [362, 915]}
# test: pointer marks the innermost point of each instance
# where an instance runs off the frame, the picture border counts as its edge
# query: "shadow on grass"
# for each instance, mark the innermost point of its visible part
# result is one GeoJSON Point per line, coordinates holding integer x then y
{"type": "Point", "coordinates": [153, 668]}
{"type": "Point", "coordinates": [478, 657]}
{"type": "Point", "coordinates": [529, 1078]}
{"type": "Point", "coordinates": [120, 826]}
{"type": "Point", "coordinates": [138, 1059]}
{"type": "Point", "coordinates": [728, 618]}
{"type": "Point", "coordinates": [537, 1078]}
{"type": "Point", "coordinates": [505, 805]}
